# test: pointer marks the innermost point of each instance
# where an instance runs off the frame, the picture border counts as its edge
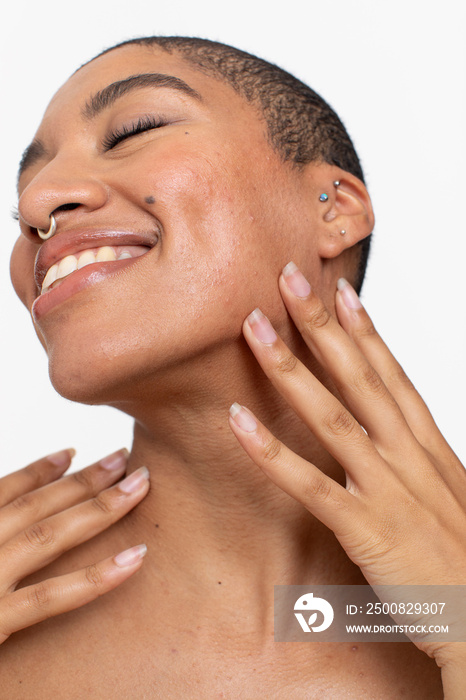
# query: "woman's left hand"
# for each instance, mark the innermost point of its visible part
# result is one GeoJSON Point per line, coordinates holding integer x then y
{"type": "Point", "coordinates": [402, 516]}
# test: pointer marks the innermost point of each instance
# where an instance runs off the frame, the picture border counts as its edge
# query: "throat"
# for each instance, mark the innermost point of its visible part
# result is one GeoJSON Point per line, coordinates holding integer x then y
{"type": "Point", "coordinates": [217, 517]}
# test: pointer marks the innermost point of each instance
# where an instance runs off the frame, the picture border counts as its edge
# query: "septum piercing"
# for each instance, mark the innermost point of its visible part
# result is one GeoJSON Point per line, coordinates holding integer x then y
{"type": "Point", "coordinates": [45, 235]}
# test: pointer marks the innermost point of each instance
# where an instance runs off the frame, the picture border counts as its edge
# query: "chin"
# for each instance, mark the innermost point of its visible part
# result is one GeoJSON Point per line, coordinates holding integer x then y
{"type": "Point", "coordinates": [83, 370]}
{"type": "Point", "coordinates": [82, 382]}
{"type": "Point", "coordinates": [122, 371]}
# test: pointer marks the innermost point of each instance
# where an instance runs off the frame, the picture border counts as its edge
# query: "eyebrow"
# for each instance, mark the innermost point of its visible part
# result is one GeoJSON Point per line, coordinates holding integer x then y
{"type": "Point", "coordinates": [108, 96]}
{"type": "Point", "coordinates": [105, 98]}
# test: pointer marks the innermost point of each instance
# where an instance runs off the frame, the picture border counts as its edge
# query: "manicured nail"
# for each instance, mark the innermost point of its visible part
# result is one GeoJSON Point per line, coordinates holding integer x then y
{"type": "Point", "coordinates": [296, 281]}
{"type": "Point", "coordinates": [261, 327]}
{"type": "Point", "coordinates": [350, 297]}
{"type": "Point", "coordinates": [115, 461]}
{"type": "Point", "coordinates": [242, 418]}
{"type": "Point", "coordinates": [130, 556]}
{"type": "Point", "coordinates": [134, 481]}
{"type": "Point", "coordinates": [62, 458]}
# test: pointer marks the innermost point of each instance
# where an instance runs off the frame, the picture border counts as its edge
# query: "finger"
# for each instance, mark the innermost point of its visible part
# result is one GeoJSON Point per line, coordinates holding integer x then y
{"type": "Point", "coordinates": [33, 604]}
{"type": "Point", "coordinates": [46, 540]}
{"type": "Point", "coordinates": [357, 381]}
{"type": "Point", "coordinates": [60, 495]}
{"type": "Point", "coordinates": [332, 424]}
{"type": "Point", "coordinates": [332, 504]}
{"type": "Point", "coordinates": [35, 475]}
{"type": "Point", "coordinates": [358, 324]}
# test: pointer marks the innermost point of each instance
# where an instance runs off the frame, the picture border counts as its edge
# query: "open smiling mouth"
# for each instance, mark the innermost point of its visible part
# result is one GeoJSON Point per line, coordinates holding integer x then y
{"type": "Point", "coordinates": [65, 267]}
{"type": "Point", "coordinates": [78, 259]}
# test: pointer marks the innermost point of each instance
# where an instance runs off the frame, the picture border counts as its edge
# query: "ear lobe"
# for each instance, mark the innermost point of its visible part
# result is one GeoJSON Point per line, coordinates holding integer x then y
{"type": "Point", "coordinates": [346, 217]}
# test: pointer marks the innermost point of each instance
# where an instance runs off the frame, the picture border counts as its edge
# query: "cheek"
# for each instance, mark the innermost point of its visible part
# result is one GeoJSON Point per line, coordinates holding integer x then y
{"type": "Point", "coordinates": [216, 211]}
{"type": "Point", "coordinates": [22, 270]}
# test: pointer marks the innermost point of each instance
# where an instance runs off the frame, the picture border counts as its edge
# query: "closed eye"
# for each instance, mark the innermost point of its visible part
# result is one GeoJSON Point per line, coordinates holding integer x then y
{"type": "Point", "coordinates": [143, 124]}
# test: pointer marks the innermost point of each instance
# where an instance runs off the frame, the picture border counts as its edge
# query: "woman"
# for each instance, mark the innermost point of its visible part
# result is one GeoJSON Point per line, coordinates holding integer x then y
{"type": "Point", "coordinates": [169, 187]}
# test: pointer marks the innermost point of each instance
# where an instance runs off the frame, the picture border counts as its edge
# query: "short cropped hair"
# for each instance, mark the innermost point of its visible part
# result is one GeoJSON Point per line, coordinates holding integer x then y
{"type": "Point", "coordinates": [302, 127]}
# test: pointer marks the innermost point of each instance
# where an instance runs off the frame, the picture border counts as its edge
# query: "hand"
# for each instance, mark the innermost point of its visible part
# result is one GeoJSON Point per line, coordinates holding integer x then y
{"type": "Point", "coordinates": [42, 516]}
{"type": "Point", "coordinates": [402, 516]}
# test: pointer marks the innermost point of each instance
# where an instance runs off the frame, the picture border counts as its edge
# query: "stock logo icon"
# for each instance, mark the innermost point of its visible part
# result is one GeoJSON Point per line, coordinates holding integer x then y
{"type": "Point", "coordinates": [312, 605]}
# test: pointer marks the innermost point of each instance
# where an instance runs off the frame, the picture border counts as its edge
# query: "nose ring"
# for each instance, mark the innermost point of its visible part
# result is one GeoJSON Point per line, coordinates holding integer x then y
{"type": "Point", "coordinates": [45, 235]}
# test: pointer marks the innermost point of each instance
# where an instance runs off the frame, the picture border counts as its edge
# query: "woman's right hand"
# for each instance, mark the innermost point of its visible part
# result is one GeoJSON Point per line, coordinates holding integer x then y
{"type": "Point", "coordinates": [43, 515]}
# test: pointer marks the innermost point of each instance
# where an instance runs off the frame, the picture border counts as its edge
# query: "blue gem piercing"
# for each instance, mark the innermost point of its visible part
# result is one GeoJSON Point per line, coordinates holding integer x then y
{"type": "Point", "coordinates": [324, 197]}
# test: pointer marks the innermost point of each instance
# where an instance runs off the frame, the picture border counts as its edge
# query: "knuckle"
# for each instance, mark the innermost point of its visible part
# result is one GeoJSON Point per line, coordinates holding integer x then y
{"type": "Point", "coordinates": [83, 478]}
{"type": "Point", "coordinates": [102, 504]}
{"type": "Point", "coordinates": [93, 575]}
{"type": "Point", "coordinates": [272, 449]}
{"type": "Point", "coordinates": [39, 535]}
{"type": "Point", "coordinates": [317, 319]}
{"type": "Point", "coordinates": [366, 329]}
{"type": "Point", "coordinates": [317, 488]}
{"type": "Point", "coordinates": [339, 423]}
{"type": "Point", "coordinates": [286, 364]}
{"type": "Point", "coordinates": [24, 503]}
{"type": "Point", "coordinates": [397, 377]}
{"type": "Point", "coordinates": [38, 596]}
{"type": "Point", "coordinates": [366, 381]}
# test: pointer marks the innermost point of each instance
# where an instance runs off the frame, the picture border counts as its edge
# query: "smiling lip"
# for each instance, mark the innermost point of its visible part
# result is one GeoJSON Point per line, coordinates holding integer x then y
{"type": "Point", "coordinates": [77, 281]}
{"type": "Point", "coordinates": [72, 243]}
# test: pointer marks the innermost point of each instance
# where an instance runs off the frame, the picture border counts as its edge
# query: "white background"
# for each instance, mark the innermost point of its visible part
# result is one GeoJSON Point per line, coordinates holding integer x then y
{"type": "Point", "coordinates": [394, 72]}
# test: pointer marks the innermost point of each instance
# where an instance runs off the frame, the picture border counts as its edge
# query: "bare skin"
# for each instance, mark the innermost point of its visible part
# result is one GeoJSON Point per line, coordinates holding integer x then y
{"type": "Point", "coordinates": [155, 341]}
{"type": "Point", "coordinates": [169, 634]}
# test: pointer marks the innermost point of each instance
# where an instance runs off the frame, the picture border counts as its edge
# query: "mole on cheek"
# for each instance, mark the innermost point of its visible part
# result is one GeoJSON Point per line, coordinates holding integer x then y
{"type": "Point", "coordinates": [150, 200]}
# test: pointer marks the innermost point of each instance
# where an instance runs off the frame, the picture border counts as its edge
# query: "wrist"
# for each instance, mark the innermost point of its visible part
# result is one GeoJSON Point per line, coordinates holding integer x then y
{"type": "Point", "coordinates": [452, 661]}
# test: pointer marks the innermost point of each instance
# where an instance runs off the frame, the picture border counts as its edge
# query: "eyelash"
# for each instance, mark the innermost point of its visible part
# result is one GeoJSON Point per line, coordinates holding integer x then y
{"type": "Point", "coordinates": [143, 124]}
{"type": "Point", "coordinates": [15, 213]}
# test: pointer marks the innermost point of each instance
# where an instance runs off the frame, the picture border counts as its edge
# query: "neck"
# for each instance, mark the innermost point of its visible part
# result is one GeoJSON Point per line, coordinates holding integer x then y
{"type": "Point", "coordinates": [212, 515]}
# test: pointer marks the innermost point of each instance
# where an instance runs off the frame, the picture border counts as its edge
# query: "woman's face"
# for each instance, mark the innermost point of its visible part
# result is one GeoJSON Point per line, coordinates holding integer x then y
{"type": "Point", "coordinates": [199, 200]}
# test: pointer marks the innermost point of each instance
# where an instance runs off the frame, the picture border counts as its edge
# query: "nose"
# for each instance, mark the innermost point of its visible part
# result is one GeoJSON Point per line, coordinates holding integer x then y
{"type": "Point", "coordinates": [64, 189]}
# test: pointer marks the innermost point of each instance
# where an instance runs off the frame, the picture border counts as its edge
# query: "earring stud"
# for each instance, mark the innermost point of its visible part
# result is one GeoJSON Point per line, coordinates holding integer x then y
{"type": "Point", "coordinates": [342, 232]}
{"type": "Point", "coordinates": [323, 197]}
{"type": "Point", "coordinates": [336, 183]}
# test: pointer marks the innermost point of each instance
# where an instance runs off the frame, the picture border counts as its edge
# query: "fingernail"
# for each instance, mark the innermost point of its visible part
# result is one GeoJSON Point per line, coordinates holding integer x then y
{"type": "Point", "coordinates": [115, 461]}
{"type": "Point", "coordinates": [62, 458]}
{"type": "Point", "coordinates": [242, 418]}
{"type": "Point", "coordinates": [130, 556]}
{"type": "Point", "coordinates": [134, 481]}
{"type": "Point", "coordinates": [350, 297]}
{"type": "Point", "coordinates": [261, 327]}
{"type": "Point", "coordinates": [296, 281]}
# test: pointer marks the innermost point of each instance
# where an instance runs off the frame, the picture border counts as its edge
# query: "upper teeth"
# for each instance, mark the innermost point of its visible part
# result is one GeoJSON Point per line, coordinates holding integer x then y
{"type": "Point", "coordinates": [75, 262]}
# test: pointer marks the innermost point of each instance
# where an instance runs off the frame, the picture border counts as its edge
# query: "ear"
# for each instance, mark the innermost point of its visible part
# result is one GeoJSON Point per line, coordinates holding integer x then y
{"type": "Point", "coordinates": [346, 217]}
